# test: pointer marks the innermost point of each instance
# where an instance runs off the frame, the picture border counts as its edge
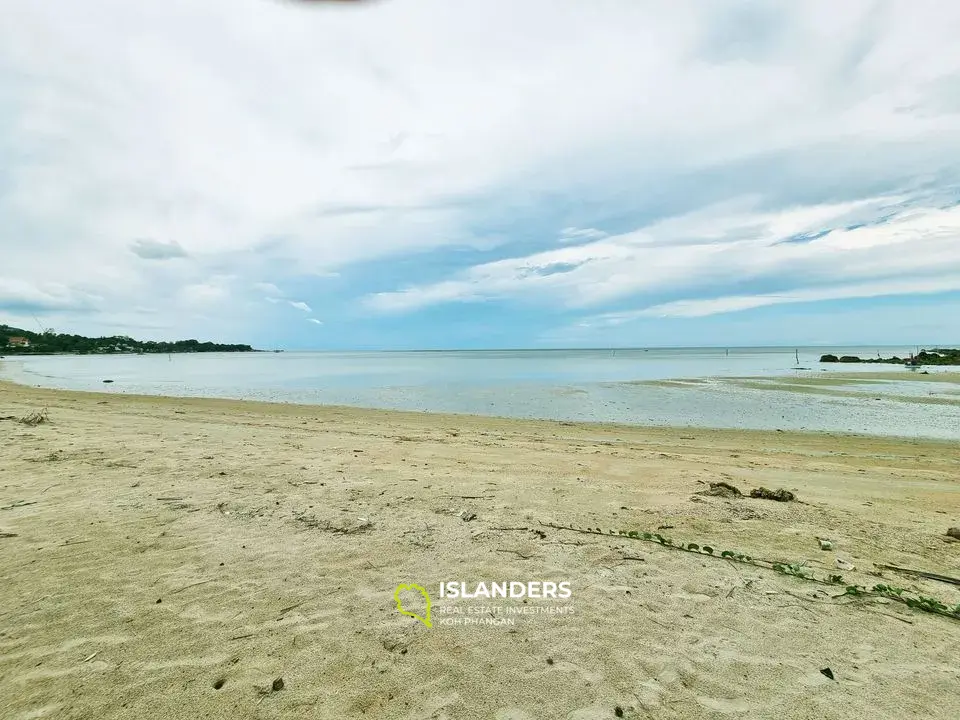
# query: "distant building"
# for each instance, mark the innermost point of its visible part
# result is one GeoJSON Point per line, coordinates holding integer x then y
{"type": "Point", "coordinates": [18, 342]}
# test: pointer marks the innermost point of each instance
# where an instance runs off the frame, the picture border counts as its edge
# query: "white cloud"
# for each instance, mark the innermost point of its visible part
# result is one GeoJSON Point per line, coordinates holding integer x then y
{"type": "Point", "coordinates": [314, 321]}
{"type": "Point", "coordinates": [722, 247]}
{"type": "Point", "coordinates": [416, 297]}
{"type": "Point", "coordinates": [299, 305]}
{"type": "Point", "coordinates": [203, 293]}
{"type": "Point", "coordinates": [716, 306]}
{"type": "Point", "coordinates": [573, 234]}
{"type": "Point", "coordinates": [270, 288]}
{"type": "Point", "coordinates": [163, 119]}
{"type": "Point", "coordinates": [18, 293]}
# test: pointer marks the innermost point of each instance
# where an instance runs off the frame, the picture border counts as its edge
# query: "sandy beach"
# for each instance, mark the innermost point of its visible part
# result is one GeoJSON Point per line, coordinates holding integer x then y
{"type": "Point", "coordinates": [170, 558]}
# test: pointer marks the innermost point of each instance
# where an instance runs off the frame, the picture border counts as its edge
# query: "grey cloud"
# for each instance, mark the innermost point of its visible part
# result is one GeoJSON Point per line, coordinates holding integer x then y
{"type": "Point", "coordinates": [751, 31]}
{"type": "Point", "coordinates": [157, 249]}
{"type": "Point", "coordinates": [24, 297]}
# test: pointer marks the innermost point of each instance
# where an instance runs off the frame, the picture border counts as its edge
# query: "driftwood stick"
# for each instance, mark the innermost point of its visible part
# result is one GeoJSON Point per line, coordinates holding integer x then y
{"type": "Point", "coordinates": [292, 607]}
{"type": "Point", "coordinates": [515, 552]}
{"type": "Point", "coordinates": [187, 587]}
{"type": "Point", "coordinates": [18, 504]}
{"type": "Point", "coordinates": [922, 573]}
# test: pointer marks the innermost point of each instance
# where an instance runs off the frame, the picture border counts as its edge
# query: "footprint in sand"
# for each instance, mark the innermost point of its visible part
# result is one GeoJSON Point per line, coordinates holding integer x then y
{"type": "Point", "coordinates": [725, 706]}
{"type": "Point", "coordinates": [184, 662]}
{"type": "Point", "coordinates": [512, 714]}
{"type": "Point", "coordinates": [47, 711]}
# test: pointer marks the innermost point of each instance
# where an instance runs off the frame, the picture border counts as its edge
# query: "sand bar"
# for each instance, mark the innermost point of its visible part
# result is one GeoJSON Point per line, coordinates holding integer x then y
{"type": "Point", "coordinates": [169, 558]}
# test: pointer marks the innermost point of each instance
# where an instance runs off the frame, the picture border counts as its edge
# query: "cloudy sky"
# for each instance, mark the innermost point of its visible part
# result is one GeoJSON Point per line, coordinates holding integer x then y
{"type": "Point", "coordinates": [438, 173]}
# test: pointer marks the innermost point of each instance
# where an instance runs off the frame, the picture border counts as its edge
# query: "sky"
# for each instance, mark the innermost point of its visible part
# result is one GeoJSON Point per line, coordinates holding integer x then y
{"type": "Point", "coordinates": [428, 174]}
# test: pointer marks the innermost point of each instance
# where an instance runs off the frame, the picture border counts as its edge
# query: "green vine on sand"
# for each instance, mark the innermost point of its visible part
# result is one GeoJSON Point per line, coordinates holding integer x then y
{"type": "Point", "coordinates": [900, 595]}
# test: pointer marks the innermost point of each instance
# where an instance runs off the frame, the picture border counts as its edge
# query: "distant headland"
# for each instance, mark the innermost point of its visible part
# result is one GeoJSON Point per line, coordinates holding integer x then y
{"type": "Point", "coordinates": [16, 341]}
{"type": "Point", "coordinates": [937, 356]}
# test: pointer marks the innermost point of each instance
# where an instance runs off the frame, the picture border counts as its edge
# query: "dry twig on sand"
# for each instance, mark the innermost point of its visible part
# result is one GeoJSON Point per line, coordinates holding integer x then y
{"type": "Point", "coordinates": [35, 418]}
{"type": "Point", "coordinates": [18, 504]}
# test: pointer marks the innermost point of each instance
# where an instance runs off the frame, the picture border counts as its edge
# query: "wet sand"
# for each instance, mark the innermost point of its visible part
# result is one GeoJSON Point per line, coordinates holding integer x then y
{"type": "Point", "coordinates": [168, 558]}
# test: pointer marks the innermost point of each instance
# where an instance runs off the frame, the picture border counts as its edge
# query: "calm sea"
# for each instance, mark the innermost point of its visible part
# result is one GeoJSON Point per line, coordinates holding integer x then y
{"type": "Point", "coordinates": [590, 385]}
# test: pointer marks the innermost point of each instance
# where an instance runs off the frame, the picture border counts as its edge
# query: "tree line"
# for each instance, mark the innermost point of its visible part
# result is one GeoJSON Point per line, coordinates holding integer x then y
{"type": "Point", "coordinates": [50, 342]}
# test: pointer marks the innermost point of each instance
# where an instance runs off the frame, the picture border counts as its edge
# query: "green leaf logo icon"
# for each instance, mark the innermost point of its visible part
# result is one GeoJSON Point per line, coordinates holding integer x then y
{"type": "Point", "coordinates": [425, 618]}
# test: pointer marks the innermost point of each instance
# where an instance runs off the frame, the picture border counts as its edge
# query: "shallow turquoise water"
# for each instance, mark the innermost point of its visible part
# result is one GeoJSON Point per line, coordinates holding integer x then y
{"type": "Point", "coordinates": [592, 385]}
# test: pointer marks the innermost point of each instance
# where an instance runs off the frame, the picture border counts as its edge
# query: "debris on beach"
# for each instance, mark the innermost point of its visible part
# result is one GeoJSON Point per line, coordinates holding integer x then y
{"type": "Point", "coordinates": [467, 516]}
{"type": "Point", "coordinates": [18, 504]}
{"type": "Point", "coordinates": [825, 544]}
{"type": "Point", "coordinates": [35, 418]}
{"type": "Point", "coordinates": [954, 532]}
{"type": "Point", "coordinates": [921, 573]}
{"type": "Point", "coordinates": [726, 490]}
{"type": "Point", "coordinates": [338, 527]}
{"type": "Point", "coordinates": [264, 690]}
{"type": "Point", "coordinates": [845, 564]}
{"type": "Point", "coordinates": [722, 489]}
{"type": "Point", "coordinates": [827, 672]}
{"type": "Point", "coordinates": [780, 495]}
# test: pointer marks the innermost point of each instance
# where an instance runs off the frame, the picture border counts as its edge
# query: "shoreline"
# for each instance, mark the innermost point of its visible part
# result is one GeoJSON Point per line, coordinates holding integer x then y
{"type": "Point", "coordinates": [375, 413]}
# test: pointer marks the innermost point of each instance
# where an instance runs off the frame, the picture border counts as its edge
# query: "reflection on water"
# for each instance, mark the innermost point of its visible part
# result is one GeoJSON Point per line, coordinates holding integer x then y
{"type": "Point", "coordinates": [592, 385]}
